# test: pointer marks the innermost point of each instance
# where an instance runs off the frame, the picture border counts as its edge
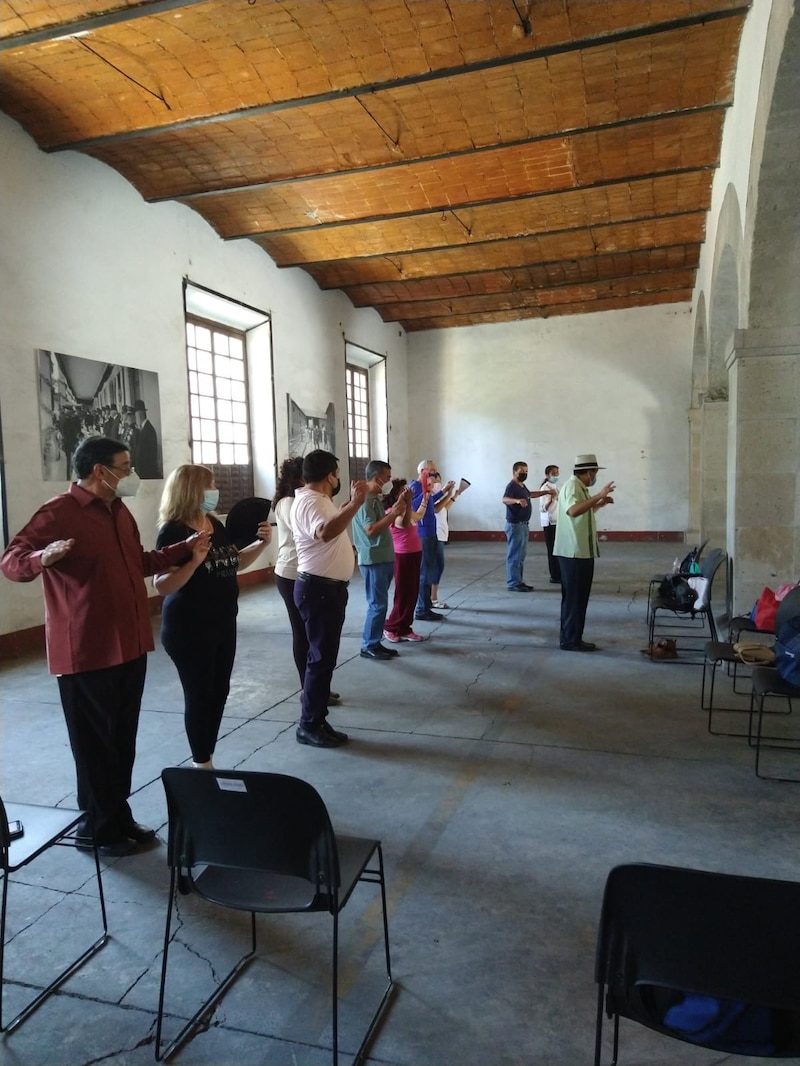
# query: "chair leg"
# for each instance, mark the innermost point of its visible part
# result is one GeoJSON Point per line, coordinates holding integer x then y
{"type": "Point", "coordinates": [376, 877]}
{"type": "Point", "coordinates": [215, 996]}
{"type": "Point", "coordinates": [62, 977]}
{"type": "Point", "coordinates": [598, 1029]}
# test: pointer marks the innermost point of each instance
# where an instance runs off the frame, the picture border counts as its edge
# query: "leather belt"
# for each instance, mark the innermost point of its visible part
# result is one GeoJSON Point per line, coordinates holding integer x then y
{"type": "Point", "coordinates": [318, 577]}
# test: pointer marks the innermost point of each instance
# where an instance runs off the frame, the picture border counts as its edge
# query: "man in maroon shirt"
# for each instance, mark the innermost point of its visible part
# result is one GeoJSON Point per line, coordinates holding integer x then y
{"type": "Point", "coordinates": [85, 544]}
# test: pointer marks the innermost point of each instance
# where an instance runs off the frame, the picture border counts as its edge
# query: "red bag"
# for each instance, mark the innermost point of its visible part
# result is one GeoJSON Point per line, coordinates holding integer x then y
{"type": "Point", "coordinates": [766, 611]}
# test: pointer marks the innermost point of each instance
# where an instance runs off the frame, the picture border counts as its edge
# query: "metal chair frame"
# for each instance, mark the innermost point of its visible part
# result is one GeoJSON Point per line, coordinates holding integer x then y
{"type": "Point", "coordinates": [44, 828]}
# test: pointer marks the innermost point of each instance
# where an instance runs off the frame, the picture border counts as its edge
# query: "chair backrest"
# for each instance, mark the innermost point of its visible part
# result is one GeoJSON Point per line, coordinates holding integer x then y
{"type": "Point", "coordinates": [712, 562]}
{"type": "Point", "coordinates": [5, 839]}
{"type": "Point", "coordinates": [789, 607]}
{"type": "Point", "coordinates": [249, 820]}
{"type": "Point", "coordinates": [721, 935]}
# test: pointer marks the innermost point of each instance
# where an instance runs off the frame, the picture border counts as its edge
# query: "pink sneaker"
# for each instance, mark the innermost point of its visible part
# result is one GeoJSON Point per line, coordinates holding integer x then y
{"type": "Point", "coordinates": [392, 637]}
{"type": "Point", "coordinates": [411, 635]}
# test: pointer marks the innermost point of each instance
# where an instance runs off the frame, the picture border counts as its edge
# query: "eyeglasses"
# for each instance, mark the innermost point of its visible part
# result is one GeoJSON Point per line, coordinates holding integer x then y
{"type": "Point", "coordinates": [128, 469]}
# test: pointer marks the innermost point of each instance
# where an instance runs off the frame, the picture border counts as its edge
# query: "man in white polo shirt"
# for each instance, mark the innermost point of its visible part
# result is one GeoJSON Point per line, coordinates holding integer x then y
{"type": "Point", "coordinates": [324, 567]}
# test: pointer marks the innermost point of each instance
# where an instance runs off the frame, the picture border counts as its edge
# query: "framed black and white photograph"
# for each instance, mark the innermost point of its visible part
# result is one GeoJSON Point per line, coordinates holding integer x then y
{"type": "Point", "coordinates": [309, 430]}
{"type": "Point", "coordinates": [81, 398]}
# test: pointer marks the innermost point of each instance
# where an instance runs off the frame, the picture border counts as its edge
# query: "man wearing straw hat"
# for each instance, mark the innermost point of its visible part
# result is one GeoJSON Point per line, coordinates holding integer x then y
{"type": "Point", "coordinates": [577, 548]}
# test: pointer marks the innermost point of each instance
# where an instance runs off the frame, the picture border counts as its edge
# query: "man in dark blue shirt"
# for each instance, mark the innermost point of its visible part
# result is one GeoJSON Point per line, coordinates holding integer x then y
{"type": "Point", "coordinates": [517, 499]}
{"type": "Point", "coordinates": [427, 533]}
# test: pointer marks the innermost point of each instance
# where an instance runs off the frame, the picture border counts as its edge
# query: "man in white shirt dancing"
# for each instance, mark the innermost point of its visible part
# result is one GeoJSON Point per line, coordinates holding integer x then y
{"type": "Point", "coordinates": [324, 567]}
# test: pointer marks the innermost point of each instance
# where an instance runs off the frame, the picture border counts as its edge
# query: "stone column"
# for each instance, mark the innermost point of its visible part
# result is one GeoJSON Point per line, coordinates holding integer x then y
{"type": "Point", "coordinates": [764, 461]}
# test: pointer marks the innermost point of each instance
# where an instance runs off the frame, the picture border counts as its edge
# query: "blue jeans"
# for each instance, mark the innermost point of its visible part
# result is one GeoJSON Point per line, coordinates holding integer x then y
{"type": "Point", "coordinates": [426, 574]}
{"type": "Point", "coordinates": [517, 537]}
{"type": "Point", "coordinates": [377, 579]}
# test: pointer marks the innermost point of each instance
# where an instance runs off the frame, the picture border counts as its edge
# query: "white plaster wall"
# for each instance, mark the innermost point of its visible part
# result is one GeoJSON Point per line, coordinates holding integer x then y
{"type": "Point", "coordinates": [616, 383]}
{"type": "Point", "coordinates": [88, 268]}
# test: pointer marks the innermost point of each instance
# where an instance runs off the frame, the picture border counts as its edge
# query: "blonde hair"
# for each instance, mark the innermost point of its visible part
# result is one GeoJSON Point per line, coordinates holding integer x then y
{"type": "Point", "coordinates": [183, 493]}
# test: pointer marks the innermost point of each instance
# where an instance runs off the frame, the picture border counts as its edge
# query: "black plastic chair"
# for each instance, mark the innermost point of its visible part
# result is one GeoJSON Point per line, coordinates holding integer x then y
{"type": "Point", "coordinates": [768, 682]}
{"type": "Point", "coordinates": [43, 828]}
{"type": "Point", "coordinates": [671, 938]}
{"type": "Point", "coordinates": [656, 579]}
{"type": "Point", "coordinates": [718, 652]}
{"type": "Point", "coordinates": [691, 621]}
{"type": "Point", "coordinates": [262, 843]}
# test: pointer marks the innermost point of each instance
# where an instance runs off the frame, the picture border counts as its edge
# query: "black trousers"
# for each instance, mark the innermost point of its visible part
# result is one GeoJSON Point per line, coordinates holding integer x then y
{"type": "Point", "coordinates": [322, 607]}
{"type": "Point", "coordinates": [552, 560]}
{"type": "Point", "coordinates": [101, 708]}
{"type": "Point", "coordinates": [576, 585]}
{"type": "Point", "coordinates": [204, 661]}
{"type": "Point", "coordinates": [299, 638]}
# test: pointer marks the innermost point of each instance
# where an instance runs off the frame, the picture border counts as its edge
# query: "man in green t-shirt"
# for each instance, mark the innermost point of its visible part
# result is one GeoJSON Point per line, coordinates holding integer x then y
{"type": "Point", "coordinates": [577, 548]}
{"type": "Point", "coordinates": [373, 541]}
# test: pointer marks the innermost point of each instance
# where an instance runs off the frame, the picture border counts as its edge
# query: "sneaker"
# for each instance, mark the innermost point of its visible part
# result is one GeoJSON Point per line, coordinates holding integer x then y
{"type": "Point", "coordinates": [440, 605]}
{"type": "Point", "coordinates": [429, 616]}
{"type": "Point", "coordinates": [411, 635]}
{"type": "Point", "coordinates": [391, 637]}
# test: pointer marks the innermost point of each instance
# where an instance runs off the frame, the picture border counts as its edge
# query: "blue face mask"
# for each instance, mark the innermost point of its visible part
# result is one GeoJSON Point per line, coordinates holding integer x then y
{"type": "Point", "coordinates": [593, 481]}
{"type": "Point", "coordinates": [553, 479]}
{"type": "Point", "coordinates": [209, 501]}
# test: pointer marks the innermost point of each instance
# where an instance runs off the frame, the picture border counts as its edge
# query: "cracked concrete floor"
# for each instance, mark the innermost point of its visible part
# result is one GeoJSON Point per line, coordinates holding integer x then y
{"type": "Point", "coordinates": [505, 778]}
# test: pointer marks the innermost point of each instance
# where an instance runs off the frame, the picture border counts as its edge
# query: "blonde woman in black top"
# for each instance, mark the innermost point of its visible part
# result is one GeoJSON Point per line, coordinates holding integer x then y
{"type": "Point", "coordinates": [198, 618]}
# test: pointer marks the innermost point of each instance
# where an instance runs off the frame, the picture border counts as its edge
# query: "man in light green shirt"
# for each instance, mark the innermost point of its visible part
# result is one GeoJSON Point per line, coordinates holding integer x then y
{"type": "Point", "coordinates": [577, 548]}
{"type": "Point", "coordinates": [373, 541]}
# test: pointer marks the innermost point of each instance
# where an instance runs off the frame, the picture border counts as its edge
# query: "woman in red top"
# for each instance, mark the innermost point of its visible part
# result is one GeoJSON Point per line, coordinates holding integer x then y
{"type": "Point", "coordinates": [407, 561]}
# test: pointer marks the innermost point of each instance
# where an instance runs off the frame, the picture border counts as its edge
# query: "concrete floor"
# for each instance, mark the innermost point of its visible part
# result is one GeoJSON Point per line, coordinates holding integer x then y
{"type": "Point", "coordinates": [504, 776]}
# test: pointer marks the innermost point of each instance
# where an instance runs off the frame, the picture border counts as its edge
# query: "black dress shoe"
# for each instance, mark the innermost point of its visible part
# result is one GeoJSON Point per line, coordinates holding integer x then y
{"type": "Point", "coordinates": [380, 654]}
{"type": "Point", "coordinates": [429, 616]}
{"type": "Point", "coordinates": [138, 832]}
{"type": "Point", "coordinates": [327, 728]}
{"type": "Point", "coordinates": [520, 588]}
{"type": "Point", "coordinates": [391, 652]}
{"type": "Point", "coordinates": [585, 645]}
{"type": "Point", "coordinates": [320, 738]}
{"type": "Point", "coordinates": [112, 850]}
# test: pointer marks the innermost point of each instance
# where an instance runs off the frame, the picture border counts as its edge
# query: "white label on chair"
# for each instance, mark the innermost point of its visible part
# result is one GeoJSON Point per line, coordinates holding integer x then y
{"type": "Point", "coordinates": [228, 784]}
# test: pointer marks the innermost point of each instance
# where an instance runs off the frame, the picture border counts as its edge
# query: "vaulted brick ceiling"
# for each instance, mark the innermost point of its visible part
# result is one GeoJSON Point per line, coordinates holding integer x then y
{"type": "Point", "coordinates": [447, 162]}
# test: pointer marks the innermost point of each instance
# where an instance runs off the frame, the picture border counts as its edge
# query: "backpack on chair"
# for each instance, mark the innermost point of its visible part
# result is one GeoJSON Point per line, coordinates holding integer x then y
{"type": "Point", "coordinates": [787, 651]}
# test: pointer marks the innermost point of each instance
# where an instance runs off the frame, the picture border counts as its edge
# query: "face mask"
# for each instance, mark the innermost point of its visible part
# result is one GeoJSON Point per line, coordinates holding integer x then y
{"type": "Point", "coordinates": [387, 488]}
{"type": "Point", "coordinates": [337, 487]}
{"type": "Point", "coordinates": [128, 485]}
{"type": "Point", "coordinates": [209, 501]}
{"type": "Point", "coordinates": [522, 477]}
{"type": "Point", "coordinates": [593, 481]}
{"type": "Point", "coordinates": [553, 479]}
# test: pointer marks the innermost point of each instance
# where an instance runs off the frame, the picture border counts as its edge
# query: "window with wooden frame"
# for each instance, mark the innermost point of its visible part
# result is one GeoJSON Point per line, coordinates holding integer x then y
{"type": "Point", "coordinates": [358, 419]}
{"type": "Point", "coordinates": [218, 405]}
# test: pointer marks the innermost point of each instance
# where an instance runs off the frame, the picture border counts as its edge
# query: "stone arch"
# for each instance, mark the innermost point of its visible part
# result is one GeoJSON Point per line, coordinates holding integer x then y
{"type": "Point", "coordinates": [700, 352]}
{"type": "Point", "coordinates": [775, 260]}
{"type": "Point", "coordinates": [724, 308]}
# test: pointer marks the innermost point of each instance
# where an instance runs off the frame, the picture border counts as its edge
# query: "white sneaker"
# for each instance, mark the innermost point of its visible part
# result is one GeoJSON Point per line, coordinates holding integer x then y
{"type": "Point", "coordinates": [440, 605]}
{"type": "Point", "coordinates": [392, 638]}
{"type": "Point", "coordinates": [411, 635]}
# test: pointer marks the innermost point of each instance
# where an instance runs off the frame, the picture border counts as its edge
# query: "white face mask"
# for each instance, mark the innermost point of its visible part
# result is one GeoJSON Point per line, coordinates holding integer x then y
{"type": "Point", "coordinates": [128, 485]}
{"type": "Point", "coordinates": [387, 488]}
